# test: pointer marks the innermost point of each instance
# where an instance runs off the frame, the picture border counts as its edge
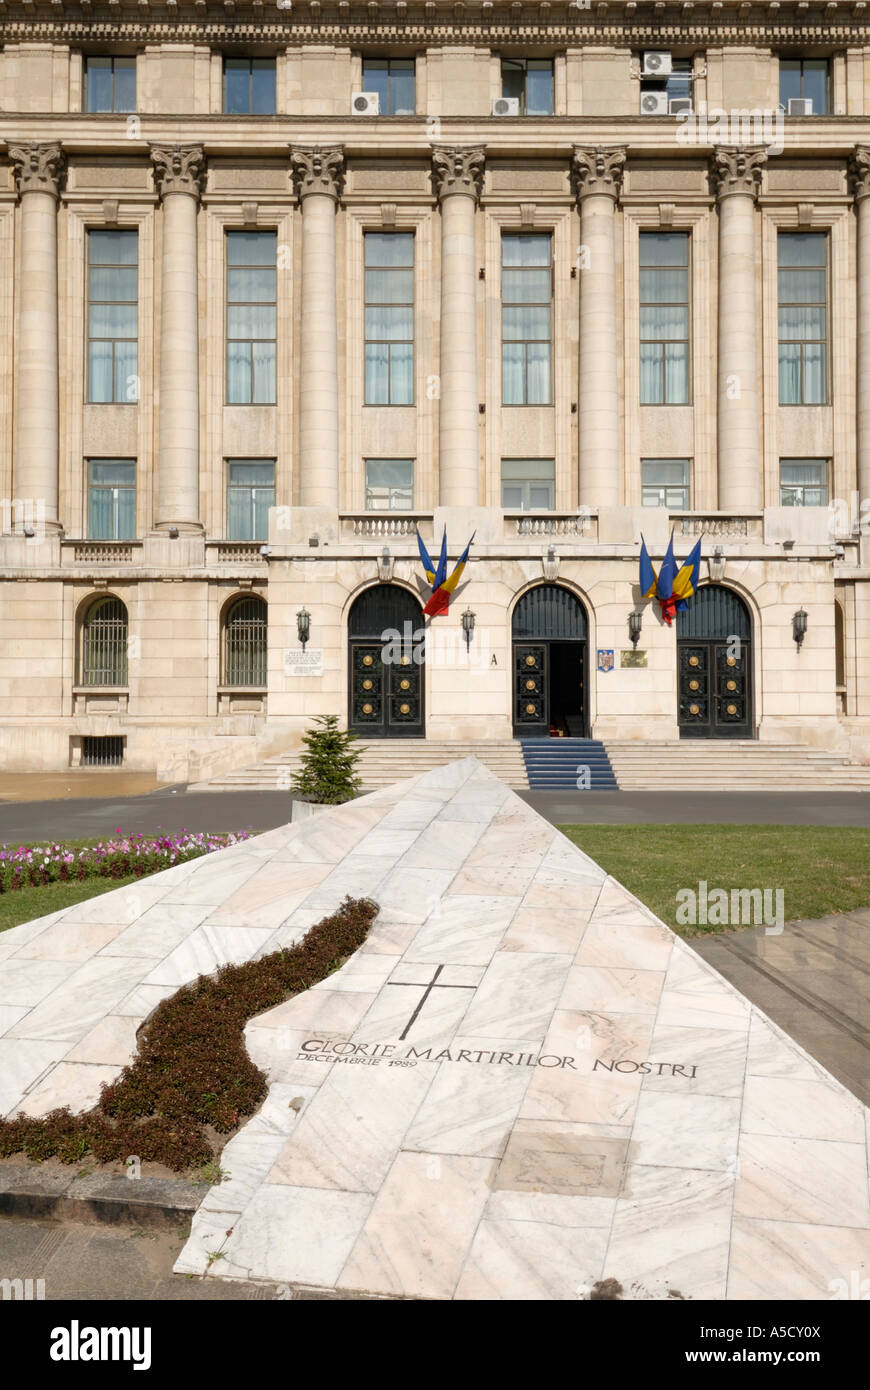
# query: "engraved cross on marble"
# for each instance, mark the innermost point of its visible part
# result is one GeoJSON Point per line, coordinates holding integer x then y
{"type": "Point", "coordinates": [427, 987]}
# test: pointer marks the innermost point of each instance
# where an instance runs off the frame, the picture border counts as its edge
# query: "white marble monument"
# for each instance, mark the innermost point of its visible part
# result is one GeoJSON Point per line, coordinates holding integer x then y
{"type": "Point", "coordinates": [522, 1084]}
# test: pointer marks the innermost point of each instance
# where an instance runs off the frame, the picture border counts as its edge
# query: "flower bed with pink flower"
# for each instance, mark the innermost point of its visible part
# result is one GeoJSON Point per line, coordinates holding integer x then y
{"type": "Point", "coordinates": [127, 856]}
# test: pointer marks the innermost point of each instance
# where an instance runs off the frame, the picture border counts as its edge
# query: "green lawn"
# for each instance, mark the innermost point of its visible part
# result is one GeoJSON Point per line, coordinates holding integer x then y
{"type": "Point", "coordinates": [26, 903]}
{"type": "Point", "coordinates": [820, 869]}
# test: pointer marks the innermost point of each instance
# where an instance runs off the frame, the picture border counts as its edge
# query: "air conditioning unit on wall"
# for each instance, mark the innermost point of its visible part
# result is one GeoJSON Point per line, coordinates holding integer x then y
{"type": "Point", "coordinates": [656, 64]}
{"type": "Point", "coordinates": [653, 103]}
{"type": "Point", "coordinates": [506, 106]}
{"type": "Point", "coordinates": [365, 104]}
{"type": "Point", "coordinates": [800, 106]}
{"type": "Point", "coordinates": [679, 106]}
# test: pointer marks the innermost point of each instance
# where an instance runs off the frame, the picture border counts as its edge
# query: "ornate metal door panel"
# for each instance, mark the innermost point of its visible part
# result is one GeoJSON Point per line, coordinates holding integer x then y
{"type": "Point", "coordinates": [386, 699]}
{"type": "Point", "coordinates": [404, 694]}
{"type": "Point", "coordinates": [714, 696]}
{"type": "Point", "coordinates": [531, 713]}
{"type": "Point", "coordinates": [731, 712]}
{"type": "Point", "coordinates": [694, 677]}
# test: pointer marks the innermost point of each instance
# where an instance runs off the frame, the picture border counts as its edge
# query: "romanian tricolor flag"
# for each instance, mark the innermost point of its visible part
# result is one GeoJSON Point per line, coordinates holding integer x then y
{"type": "Point", "coordinates": [672, 586]}
{"type": "Point", "coordinates": [442, 586]}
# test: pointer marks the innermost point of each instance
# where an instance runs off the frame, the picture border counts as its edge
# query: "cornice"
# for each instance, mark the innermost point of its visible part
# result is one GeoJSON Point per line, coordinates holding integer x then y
{"type": "Point", "coordinates": [546, 25]}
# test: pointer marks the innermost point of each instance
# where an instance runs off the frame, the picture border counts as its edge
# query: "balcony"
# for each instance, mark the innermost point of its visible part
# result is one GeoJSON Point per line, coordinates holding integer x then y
{"type": "Point", "coordinates": [381, 525]}
{"type": "Point", "coordinates": [581, 525]}
{"type": "Point", "coordinates": [110, 553]}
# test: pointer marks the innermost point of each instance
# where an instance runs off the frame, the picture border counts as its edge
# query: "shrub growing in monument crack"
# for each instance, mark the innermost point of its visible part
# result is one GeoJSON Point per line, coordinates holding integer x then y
{"type": "Point", "coordinates": [192, 1068]}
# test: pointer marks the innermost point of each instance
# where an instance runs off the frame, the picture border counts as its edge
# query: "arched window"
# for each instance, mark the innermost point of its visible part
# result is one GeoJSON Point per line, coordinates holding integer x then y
{"type": "Point", "coordinates": [245, 640]}
{"type": "Point", "coordinates": [104, 643]}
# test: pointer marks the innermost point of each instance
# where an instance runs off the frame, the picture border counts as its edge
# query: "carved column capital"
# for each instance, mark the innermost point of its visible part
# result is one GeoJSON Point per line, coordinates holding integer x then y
{"type": "Point", "coordinates": [859, 172]}
{"type": "Point", "coordinates": [598, 169]}
{"type": "Point", "coordinates": [178, 169]}
{"type": "Point", "coordinates": [317, 169]}
{"type": "Point", "coordinates": [735, 169]}
{"type": "Point", "coordinates": [38, 168]}
{"type": "Point", "coordinates": [458, 169]}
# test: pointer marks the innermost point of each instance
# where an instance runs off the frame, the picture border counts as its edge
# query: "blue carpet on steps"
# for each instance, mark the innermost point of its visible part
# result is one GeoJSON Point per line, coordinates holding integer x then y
{"type": "Point", "coordinates": [581, 763]}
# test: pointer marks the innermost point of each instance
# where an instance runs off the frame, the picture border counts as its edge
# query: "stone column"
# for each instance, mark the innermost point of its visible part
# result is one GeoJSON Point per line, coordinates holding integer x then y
{"type": "Point", "coordinates": [39, 171]}
{"type": "Point", "coordinates": [457, 175]}
{"type": "Point", "coordinates": [860, 170]}
{"type": "Point", "coordinates": [597, 177]}
{"type": "Point", "coordinates": [318, 176]}
{"type": "Point", "coordinates": [179, 175]}
{"type": "Point", "coordinates": [736, 175]}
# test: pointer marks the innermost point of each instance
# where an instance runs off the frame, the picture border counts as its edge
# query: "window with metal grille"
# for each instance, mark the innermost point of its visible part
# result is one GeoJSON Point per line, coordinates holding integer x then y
{"type": "Point", "coordinates": [393, 80]}
{"type": "Point", "coordinates": [104, 751]}
{"type": "Point", "coordinates": [389, 318]}
{"type": "Point", "coordinates": [245, 640]}
{"type": "Point", "coordinates": [249, 86]}
{"type": "Point", "coordinates": [113, 316]}
{"type": "Point", "coordinates": [110, 84]}
{"type": "Point", "coordinates": [802, 283]}
{"type": "Point", "coordinates": [526, 318]}
{"type": "Point", "coordinates": [530, 81]}
{"type": "Point", "coordinates": [664, 318]}
{"type": "Point", "coordinates": [104, 643]}
{"type": "Point", "coordinates": [251, 317]}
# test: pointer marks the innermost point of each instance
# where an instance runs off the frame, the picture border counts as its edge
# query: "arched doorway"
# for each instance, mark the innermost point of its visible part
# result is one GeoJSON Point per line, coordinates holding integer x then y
{"type": "Point", "coordinates": [549, 664]}
{"type": "Point", "coordinates": [385, 678]}
{"type": "Point", "coordinates": [714, 666]}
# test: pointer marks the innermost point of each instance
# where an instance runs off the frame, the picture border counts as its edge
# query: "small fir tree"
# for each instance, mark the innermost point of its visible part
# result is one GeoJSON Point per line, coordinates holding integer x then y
{"type": "Point", "coordinates": [328, 772]}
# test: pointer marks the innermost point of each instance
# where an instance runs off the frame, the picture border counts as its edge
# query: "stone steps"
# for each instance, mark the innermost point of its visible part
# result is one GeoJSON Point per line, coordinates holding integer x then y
{"type": "Point", "coordinates": [381, 764]}
{"type": "Point", "coordinates": [683, 765]}
{"type": "Point", "coordinates": [717, 765]}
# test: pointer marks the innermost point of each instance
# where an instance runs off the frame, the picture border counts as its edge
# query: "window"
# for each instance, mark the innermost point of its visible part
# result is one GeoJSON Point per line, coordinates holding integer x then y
{"type": "Point", "coordinates": [110, 84]}
{"type": "Point", "coordinates": [530, 80]}
{"type": "Point", "coordinates": [249, 86]}
{"type": "Point", "coordinates": [665, 483]}
{"type": "Point", "coordinates": [250, 494]}
{"type": "Point", "coordinates": [245, 642]}
{"type": "Point", "coordinates": [389, 485]}
{"type": "Point", "coordinates": [803, 482]}
{"type": "Point", "coordinates": [664, 318]}
{"type": "Point", "coordinates": [389, 318]}
{"type": "Point", "coordinates": [103, 750]}
{"type": "Point", "coordinates": [806, 78]}
{"type": "Point", "coordinates": [675, 86]}
{"type": "Point", "coordinates": [251, 317]}
{"type": "Point", "coordinates": [526, 319]}
{"type": "Point", "coordinates": [104, 643]}
{"type": "Point", "coordinates": [803, 314]}
{"type": "Point", "coordinates": [111, 499]}
{"type": "Point", "coordinates": [393, 80]}
{"type": "Point", "coordinates": [113, 326]}
{"type": "Point", "coordinates": [528, 485]}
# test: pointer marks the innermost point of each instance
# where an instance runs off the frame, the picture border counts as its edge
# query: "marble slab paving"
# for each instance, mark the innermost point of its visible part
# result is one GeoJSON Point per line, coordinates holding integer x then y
{"type": "Point", "coordinates": [522, 1084]}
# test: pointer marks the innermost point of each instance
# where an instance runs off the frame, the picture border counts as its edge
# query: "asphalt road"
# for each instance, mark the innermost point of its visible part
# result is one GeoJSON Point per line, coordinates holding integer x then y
{"type": "Point", "coordinates": [172, 809]}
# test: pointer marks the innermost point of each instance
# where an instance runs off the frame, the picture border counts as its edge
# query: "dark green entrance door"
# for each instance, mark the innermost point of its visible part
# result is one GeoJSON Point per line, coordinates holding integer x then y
{"type": "Point", "coordinates": [386, 685]}
{"type": "Point", "coordinates": [714, 666]}
{"type": "Point", "coordinates": [549, 664]}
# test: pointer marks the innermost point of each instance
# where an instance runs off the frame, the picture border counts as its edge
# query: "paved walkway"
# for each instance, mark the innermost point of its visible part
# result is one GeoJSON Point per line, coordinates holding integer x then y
{"type": "Point", "coordinates": [521, 1085]}
{"type": "Point", "coordinates": [82, 1261]}
{"type": "Point", "coordinates": [814, 980]}
{"type": "Point", "coordinates": [176, 809]}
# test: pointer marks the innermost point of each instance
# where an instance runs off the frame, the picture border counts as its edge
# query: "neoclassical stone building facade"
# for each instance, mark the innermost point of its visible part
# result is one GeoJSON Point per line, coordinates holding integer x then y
{"type": "Point", "coordinates": [280, 284]}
